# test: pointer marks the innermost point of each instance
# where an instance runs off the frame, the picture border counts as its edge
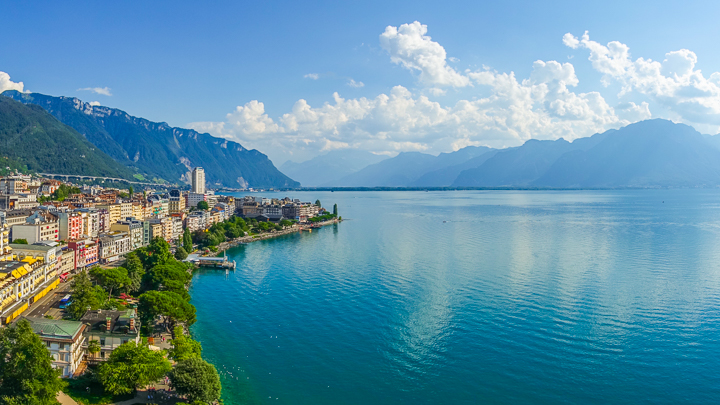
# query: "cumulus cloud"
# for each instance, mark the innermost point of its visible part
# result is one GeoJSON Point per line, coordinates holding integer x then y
{"type": "Point", "coordinates": [103, 91]}
{"type": "Point", "coordinates": [94, 103]}
{"type": "Point", "coordinates": [353, 83]}
{"type": "Point", "coordinates": [313, 76]}
{"type": "Point", "coordinates": [674, 83]}
{"type": "Point", "coordinates": [7, 84]}
{"type": "Point", "coordinates": [409, 47]}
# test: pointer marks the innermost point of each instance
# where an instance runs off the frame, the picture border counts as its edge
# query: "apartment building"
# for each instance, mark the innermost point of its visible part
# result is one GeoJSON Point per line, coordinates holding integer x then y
{"type": "Point", "coordinates": [40, 226]}
{"type": "Point", "coordinates": [113, 245]}
{"type": "Point", "coordinates": [64, 339]}
{"type": "Point", "coordinates": [86, 252]}
{"type": "Point", "coordinates": [132, 227]}
{"type": "Point", "coordinates": [70, 225]}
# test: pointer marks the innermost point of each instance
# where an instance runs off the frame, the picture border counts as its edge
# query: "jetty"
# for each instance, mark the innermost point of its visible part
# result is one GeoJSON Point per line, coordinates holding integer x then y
{"type": "Point", "coordinates": [207, 261]}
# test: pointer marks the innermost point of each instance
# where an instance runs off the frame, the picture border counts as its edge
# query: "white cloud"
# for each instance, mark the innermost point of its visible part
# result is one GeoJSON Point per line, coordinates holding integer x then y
{"type": "Point", "coordinates": [313, 76]}
{"type": "Point", "coordinates": [353, 83]}
{"type": "Point", "coordinates": [94, 103]}
{"type": "Point", "coordinates": [103, 91]}
{"type": "Point", "coordinates": [7, 84]}
{"type": "Point", "coordinates": [674, 83]}
{"type": "Point", "coordinates": [409, 47]}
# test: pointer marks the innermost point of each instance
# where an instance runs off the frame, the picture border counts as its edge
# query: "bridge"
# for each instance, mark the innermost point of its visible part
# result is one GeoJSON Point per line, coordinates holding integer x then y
{"type": "Point", "coordinates": [67, 177]}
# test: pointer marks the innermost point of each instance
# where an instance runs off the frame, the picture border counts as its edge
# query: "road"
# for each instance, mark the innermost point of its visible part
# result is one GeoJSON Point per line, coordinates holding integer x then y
{"type": "Point", "coordinates": [50, 302]}
{"type": "Point", "coordinates": [81, 177]}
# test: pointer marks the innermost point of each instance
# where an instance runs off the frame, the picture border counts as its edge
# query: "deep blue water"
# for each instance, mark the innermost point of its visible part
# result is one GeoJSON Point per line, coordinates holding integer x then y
{"type": "Point", "coordinates": [475, 297]}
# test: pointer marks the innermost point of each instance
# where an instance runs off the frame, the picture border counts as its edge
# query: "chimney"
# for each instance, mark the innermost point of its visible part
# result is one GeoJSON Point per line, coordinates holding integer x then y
{"type": "Point", "coordinates": [132, 323]}
{"type": "Point", "coordinates": [107, 323]}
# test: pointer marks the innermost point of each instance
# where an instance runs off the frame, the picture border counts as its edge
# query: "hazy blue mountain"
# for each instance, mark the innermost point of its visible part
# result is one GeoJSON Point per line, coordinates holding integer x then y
{"type": "Point", "coordinates": [327, 169]}
{"type": "Point", "coordinates": [653, 153]}
{"type": "Point", "coordinates": [519, 166]}
{"type": "Point", "coordinates": [404, 169]}
{"type": "Point", "coordinates": [157, 150]}
{"type": "Point", "coordinates": [30, 136]}
{"type": "Point", "coordinates": [445, 176]}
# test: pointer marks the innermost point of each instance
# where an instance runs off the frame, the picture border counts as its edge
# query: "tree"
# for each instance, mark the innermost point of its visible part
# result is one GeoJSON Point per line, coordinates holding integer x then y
{"type": "Point", "coordinates": [93, 347]}
{"type": "Point", "coordinates": [84, 296]}
{"type": "Point", "coordinates": [184, 347]}
{"type": "Point", "coordinates": [196, 379]}
{"type": "Point", "coordinates": [203, 205]}
{"type": "Point", "coordinates": [317, 202]}
{"type": "Point", "coordinates": [156, 253]}
{"type": "Point", "coordinates": [187, 241]}
{"type": "Point", "coordinates": [131, 191]}
{"type": "Point", "coordinates": [26, 372]}
{"type": "Point", "coordinates": [21, 241]}
{"type": "Point", "coordinates": [112, 279]}
{"type": "Point", "coordinates": [135, 272]}
{"type": "Point", "coordinates": [131, 366]}
{"type": "Point", "coordinates": [180, 253]}
{"type": "Point", "coordinates": [335, 209]}
{"type": "Point", "coordinates": [170, 306]}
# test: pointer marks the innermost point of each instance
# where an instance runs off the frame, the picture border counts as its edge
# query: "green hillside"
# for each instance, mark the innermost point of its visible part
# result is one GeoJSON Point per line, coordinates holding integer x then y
{"type": "Point", "coordinates": [28, 134]}
{"type": "Point", "coordinates": [157, 150]}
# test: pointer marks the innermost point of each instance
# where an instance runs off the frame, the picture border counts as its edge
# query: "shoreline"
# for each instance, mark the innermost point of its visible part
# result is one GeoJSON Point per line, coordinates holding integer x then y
{"type": "Point", "coordinates": [254, 238]}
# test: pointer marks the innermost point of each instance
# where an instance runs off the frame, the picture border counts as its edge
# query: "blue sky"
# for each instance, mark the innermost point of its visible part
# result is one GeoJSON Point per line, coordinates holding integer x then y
{"type": "Point", "coordinates": [242, 70]}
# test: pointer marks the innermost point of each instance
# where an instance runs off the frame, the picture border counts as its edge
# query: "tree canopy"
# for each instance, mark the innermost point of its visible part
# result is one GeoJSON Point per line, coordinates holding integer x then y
{"type": "Point", "coordinates": [180, 253]}
{"type": "Point", "coordinates": [135, 272]}
{"type": "Point", "coordinates": [203, 205]}
{"type": "Point", "coordinates": [184, 347]}
{"type": "Point", "coordinates": [196, 379]}
{"type": "Point", "coordinates": [112, 279]}
{"type": "Point", "coordinates": [157, 252]}
{"type": "Point", "coordinates": [26, 372]}
{"type": "Point", "coordinates": [170, 306]}
{"type": "Point", "coordinates": [131, 366]}
{"type": "Point", "coordinates": [84, 296]}
{"type": "Point", "coordinates": [21, 241]}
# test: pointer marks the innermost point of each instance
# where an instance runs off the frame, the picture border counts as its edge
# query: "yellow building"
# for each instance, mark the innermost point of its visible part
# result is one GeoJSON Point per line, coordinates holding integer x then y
{"type": "Point", "coordinates": [115, 211]}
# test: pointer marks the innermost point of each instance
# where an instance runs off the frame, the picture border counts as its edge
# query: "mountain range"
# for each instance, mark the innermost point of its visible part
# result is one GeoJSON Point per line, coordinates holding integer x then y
{"type": "Point", "coordinates": [328, 169]}
{"type": "Point", "coordinates": [155, 150]}
{"type": "Point", "coordinates": [652, 153]}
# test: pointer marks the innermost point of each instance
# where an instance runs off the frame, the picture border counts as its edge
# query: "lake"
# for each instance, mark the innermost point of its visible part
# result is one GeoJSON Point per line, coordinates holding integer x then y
{"type": "Point", "coordinates": [465, 297]}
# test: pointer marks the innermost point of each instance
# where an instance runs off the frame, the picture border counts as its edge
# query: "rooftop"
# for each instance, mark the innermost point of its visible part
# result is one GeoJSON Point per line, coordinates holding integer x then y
{"type": "Point", "coordinates": [60, 329]}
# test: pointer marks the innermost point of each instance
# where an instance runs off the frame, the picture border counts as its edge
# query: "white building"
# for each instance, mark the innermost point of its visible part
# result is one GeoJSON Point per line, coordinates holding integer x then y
{"type": "Point", "coordinates": [198, 180]}
{"type": "Point", "coordinates": [64, 340]}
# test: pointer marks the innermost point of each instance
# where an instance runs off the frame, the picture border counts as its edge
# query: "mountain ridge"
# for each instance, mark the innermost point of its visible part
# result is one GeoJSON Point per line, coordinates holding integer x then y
{"type": "Point", "coordinates": [155, 149]}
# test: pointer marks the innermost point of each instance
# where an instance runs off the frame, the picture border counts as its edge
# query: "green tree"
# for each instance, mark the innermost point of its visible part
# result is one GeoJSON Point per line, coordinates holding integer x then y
{"type": "Point", "coordinates": [93, 347]}
{"type": "Point", "coordinates": [180, 253]}
{"type": "Point", "coordinates": [169, 306]}
{"type": "Point", "coordinates": [184, 347]}
{"type": "Point", "coordinates": [20, 241]}
{"type": "Point", "coordinates": [131, 191]}
{"type": "Point", "coordinates": [196, 379]}
{"type": "Point", "coordinates": [84, 296]}
{"type": "Point", "coordinates": [135, 272]}
{"type": "Point", "coordinates": [187, 241]}
{"type": "Point", "coordinates": [156, 253]}
{"type": "Point", "coordinates": [112, 279]}
{"type": "Point", "coordinates": [335, 212]}
{"type": "Point", "coordinates": [26, 372]}
{"type": "Point", "coordinates": [131, 366]}
{"type": "Point", "coordinates": [203, 205]}
{"type": "Point", "coordinates": [317, 202]}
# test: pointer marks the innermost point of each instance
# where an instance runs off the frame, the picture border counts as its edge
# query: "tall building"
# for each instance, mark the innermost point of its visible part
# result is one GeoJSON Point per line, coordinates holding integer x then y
{"type": "Point", "coordinates": [198, 180]}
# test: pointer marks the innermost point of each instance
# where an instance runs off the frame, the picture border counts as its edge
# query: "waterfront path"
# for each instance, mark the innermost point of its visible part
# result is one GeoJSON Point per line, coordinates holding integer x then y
{"type": "Point", "coordinates": [254, 238]}
{"type": "Point", "coordinates": [64, 399]}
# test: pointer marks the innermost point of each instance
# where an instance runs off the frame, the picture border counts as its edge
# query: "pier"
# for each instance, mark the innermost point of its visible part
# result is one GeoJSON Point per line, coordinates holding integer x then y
{"type": "Point", "coordinates": [217, 262]}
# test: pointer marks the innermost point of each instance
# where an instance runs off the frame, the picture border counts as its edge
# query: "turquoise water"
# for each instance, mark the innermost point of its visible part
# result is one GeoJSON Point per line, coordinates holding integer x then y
{"type": "Point", "coordinates": [475, 297]}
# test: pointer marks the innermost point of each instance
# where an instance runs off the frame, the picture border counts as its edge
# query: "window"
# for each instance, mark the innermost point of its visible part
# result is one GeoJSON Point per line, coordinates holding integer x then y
{"type": "Point", "coordinates": [102, 342]}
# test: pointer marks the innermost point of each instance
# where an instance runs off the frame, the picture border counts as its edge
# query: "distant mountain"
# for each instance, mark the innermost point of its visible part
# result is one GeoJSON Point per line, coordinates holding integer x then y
{"type": "Point", "coordinates": [653, 153]}
{"type": "Point", "coordinates": [445, 176]}
{"type": "Point", "coordinates": [30, 135]}
{"type": "Point", "coordinates": [406, 168]}
{"type": "Point", "coordinates": [157, 150]}
{"type": "Point", "coordinates": [327, 169]}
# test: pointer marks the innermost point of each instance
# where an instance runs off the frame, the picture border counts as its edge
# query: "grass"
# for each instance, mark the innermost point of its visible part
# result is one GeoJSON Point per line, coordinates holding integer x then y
{"type": "Point", "coordinates": [77, 390]}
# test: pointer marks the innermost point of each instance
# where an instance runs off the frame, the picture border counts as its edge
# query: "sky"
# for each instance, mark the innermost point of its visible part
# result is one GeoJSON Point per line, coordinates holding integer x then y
{"type": "Point", "coordinates": [295, 80]}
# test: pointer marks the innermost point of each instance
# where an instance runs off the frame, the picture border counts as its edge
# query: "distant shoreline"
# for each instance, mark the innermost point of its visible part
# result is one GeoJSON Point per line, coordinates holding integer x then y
{"type": "Point", "coordinates": [340, 189]}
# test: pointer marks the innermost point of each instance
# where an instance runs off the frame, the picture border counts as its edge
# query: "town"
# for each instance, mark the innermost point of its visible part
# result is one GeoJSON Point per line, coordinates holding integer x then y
{"type": "Point", "coordinates": [52, 232]}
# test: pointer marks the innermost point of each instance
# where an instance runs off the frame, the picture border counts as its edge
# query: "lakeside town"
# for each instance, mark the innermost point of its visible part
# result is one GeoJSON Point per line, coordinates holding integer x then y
{"type": "Point", "coordinates": [90, 269]}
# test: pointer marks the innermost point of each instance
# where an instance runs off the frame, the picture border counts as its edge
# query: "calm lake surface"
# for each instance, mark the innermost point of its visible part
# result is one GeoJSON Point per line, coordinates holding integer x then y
{"type": "Point", "coordinates": [466, 297]}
